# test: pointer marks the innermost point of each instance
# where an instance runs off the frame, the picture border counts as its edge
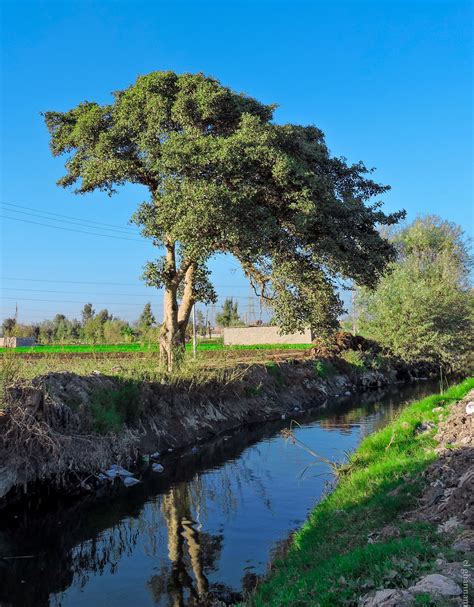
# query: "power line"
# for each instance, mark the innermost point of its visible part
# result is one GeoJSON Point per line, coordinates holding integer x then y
{"type": "Point", "coordinates": [101, 303]}
{"type": "Point", "coordinates": [43, 212]}
{"type": "Point", "coordinates": [117, 284]}
{"type": "Point", "coordinates": [73, 292]}
{"type": "Point", "coordinates": [76, 282]}
{"type": "Point", "coordinates": [71, 229]}
{"type": "Point", "coordinates": [91, 295]}
{"type": "Point", "coordinates": [74, 223]}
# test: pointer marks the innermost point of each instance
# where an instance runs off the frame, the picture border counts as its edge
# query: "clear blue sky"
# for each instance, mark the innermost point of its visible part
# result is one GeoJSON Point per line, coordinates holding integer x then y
{"type": "Point", "coordinates": [389, 82]}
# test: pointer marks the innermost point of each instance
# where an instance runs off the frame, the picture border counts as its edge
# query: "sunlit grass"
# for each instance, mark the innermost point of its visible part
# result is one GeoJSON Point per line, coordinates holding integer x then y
{"type": "Point", "coordinates": [331, 562]}
{"type": "Point", "coordinates": [139, 347]}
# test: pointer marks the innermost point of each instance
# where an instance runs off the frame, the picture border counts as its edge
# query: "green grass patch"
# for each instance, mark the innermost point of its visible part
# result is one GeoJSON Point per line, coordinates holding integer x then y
{"type": "Point", "coordinates": [324, 369]}
{"type": "Point", "coordinates": [331, 562]}
{"type": "Point", "coordinates": [111, 410]}
{"type": "Point", "coordinates": [275, 371]}
{"type": "Point", "coordinates": [203, 346]}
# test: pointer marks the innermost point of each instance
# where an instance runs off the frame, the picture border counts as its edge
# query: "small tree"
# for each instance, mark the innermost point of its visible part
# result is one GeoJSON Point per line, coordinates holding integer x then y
{"type": "Point", "coordinates": [87, 313]}
{"type": "Point", "coordinates": [223, 178]}
{"type": "Point", "coordinates": [422, 307]}
{"type": "Point", "coordinates": [147, 319]}
{"type": "Point", "coordinates": [201, 326]}
{"type": "Point", "coordinates": [8, 326]}
{"type": "Point", "coordinates": [229, 317]}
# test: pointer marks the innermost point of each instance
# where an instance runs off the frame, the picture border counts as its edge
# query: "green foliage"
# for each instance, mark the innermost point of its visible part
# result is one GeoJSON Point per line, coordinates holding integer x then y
{"type": "Point", "coordinates": [253, 391]}
{"type": "Point", "coordinates": [331, 563]}
{"type": "Point", "coordinates": [275, 370]}
{"type": "Point", "coordinates": [224, 178]}
{"type": "Point", "coordinates": [324, 369]}
{"type": "Point", "coordinates": [87, 313]}
{"type": "Point", "coordinates": [147, 319]}
{"type": "Point", "coordinates": [208, 345]}
{"type": "Point", "coordinates": [422, 308]}
{"type": "Point", "coordinates": [229, 317]}
{"type": "Point", "coordinates": [111, 410]}
{"type": "Point", "coordinates": [355, 358]}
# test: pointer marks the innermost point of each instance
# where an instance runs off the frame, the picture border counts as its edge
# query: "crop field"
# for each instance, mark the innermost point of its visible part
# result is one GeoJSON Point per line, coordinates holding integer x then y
{"type": "Point", "coordinates": [203, 346]}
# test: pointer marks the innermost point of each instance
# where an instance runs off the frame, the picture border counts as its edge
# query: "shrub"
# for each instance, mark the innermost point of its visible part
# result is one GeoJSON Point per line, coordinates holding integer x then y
{"type": "Point", "coordinates": [324, 369]}
{"type": "Point", "coordinates": [111, 410]}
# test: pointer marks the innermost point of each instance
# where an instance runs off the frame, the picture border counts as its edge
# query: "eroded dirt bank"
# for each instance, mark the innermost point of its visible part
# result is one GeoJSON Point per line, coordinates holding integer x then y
{"type": "Point", "coordinates": [62, 427]}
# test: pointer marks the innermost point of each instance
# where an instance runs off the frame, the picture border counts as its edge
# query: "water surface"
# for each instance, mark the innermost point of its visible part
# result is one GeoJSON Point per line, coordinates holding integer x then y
{"type": "Point", "coordinates": [206, 526]}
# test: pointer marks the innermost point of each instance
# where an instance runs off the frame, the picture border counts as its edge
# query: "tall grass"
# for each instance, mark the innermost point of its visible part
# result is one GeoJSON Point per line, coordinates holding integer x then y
{"type": "Point", "coordinates": [147, 367]}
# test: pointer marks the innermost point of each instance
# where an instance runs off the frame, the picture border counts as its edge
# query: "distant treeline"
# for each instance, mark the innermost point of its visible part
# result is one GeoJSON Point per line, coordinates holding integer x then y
{"type": "Point", "coordinates": [100, 327]}
{"type": "Point", "coordinates": [103, 327]}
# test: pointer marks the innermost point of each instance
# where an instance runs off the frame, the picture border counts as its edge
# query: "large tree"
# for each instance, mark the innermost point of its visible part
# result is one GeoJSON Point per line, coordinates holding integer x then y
{"type": "Point", "coordinates": [422, 308]}
{"type": "Point", "coordinates": [223, 178]}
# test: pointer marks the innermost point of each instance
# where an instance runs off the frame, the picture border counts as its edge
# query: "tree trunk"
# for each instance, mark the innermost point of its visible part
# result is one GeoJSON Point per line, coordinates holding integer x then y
{"type": "Point", "coordinates": [176, 318]}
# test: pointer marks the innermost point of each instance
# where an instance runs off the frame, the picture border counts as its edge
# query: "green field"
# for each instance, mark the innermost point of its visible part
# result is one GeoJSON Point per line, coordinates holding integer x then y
{"type": "Point", "coordinates": [208, 345]}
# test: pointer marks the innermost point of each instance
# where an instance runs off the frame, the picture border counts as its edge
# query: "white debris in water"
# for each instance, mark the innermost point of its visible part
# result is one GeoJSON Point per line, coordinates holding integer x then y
{"type": "Point", "coordinates": [116, 470]}
{"type": "Point", "coordinates": [348, 393]}
{"type": "Point", "coordinates": [130, 481]}
{"type": "Point", "coordinates": [170, 449]}
{"type": "Point", "coordinates": [103, 477]}
{"type": "Point", "coordinates": [155, 455]}
{"type": "Point", "coordinates": [157, 468]}
{"type": "Point", "coordinates": [194, 450]}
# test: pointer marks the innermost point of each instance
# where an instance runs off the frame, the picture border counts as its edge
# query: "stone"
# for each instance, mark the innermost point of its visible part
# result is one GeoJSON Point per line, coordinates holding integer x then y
{"type": "Point", "coordinates": [455, 571]}
{"type": "Point", "coordinates": [470, 408]}
{"type": "Point", "coordinates": [157, 468]}
{"type": "Point", "coordinates": [449, 525]}
{"type": "Point", "coordinates": [436, 584]}
{"type": "Point", "coordinates": [465, 542]}
{"type": "Point", "coordinates": [425, 427]}
{"type": "Point", "coordinates": [388, 597]}
{"type": "Point", "coordinates": [117, 471]}
{"type": "Point", "coordinates": [130, 481]}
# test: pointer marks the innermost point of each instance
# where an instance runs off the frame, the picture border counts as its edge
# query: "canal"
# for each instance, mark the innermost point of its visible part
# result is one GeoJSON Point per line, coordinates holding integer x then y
{"type": "Point", "coordinates": [205, 527]}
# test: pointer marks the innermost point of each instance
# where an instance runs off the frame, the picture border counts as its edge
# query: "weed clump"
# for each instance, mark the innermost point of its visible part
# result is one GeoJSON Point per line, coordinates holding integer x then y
{"type": "Point", "coordinates": [275, 371]}
{"type": "Point", "coordinates": [111, 410]}
{"type": "Point", "coordinates": [324, 369]}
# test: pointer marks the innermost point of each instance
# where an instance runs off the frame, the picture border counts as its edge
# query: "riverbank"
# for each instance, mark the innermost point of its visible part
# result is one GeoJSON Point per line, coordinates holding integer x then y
{"type": "Point", "coordinates": [64, 428]}
{"type": "Point", "coordinates": [398, 529]}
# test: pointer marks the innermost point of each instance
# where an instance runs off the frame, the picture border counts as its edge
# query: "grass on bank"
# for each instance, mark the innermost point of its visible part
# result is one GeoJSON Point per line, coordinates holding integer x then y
{"type": "Point", "coordinates": [203, 346]}
{"type": "Point", "coordinates": [331, 562]}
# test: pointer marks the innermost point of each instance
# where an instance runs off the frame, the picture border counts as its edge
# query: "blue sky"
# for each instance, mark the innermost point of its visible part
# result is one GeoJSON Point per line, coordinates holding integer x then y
{"type": "Point", "coordinates": [389, 82]}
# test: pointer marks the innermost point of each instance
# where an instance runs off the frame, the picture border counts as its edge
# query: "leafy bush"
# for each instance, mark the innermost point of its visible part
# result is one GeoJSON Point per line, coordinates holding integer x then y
{"type": "Point", "coordinates": [324, 369]}
{"type": "Point", "coordinates": [111, 410]}
{"type": "Point", "coordinates": [355, 358]}
{"type": "Point", "coordinates": [275, 370]}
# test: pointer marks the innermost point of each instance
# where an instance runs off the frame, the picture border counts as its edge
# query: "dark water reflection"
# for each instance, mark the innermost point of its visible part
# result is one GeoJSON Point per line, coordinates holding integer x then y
{"type": "Point", "coordinates": [203, 528]}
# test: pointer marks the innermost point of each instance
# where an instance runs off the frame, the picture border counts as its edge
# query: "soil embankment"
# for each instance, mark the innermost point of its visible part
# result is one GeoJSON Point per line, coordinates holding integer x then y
{"type": "Point", "coordinates": [63, 428]}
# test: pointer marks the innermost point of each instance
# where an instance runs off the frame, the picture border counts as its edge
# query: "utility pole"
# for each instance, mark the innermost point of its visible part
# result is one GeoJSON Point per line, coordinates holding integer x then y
{"type": "Point", "coordinates": [194, 331]}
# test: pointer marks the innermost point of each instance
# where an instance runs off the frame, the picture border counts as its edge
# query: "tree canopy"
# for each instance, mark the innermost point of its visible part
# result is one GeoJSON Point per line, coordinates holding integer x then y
{"type": "Point", "coordinates": [422, 307]}
{"type": "Point", "coordinates": [229, 316]}
{"type": "Point", "coordinates": [224, 178]}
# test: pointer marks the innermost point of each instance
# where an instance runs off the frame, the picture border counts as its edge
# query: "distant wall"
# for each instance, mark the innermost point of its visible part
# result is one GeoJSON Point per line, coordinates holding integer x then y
{"type": "Point", "coordinates": [16, 342]}
{"type": "Point", "coordinates": [249, 336]}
